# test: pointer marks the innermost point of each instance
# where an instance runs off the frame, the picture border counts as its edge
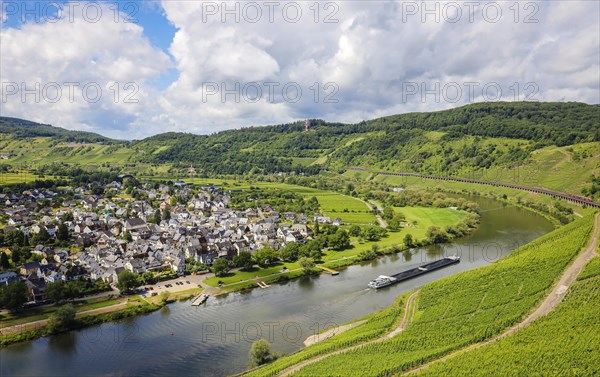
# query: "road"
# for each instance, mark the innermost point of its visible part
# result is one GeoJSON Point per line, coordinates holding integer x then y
{"type": "Point", "coordinates": [35, 325]}
{"type": "Point", "coordinates": [370, 205]}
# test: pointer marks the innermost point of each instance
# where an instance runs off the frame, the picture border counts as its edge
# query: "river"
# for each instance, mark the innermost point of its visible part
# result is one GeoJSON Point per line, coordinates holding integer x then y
{"type": "Point", "coordinates": [214, 339]}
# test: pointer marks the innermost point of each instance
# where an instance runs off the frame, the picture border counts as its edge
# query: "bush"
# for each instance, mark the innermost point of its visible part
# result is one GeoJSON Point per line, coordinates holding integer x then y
{"type": "Point", "coordinates": [62, 319]}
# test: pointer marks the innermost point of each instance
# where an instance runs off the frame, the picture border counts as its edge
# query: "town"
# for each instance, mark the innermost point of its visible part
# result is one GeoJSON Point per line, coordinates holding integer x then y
{"type": "Point", "coordinates": [157, 231]}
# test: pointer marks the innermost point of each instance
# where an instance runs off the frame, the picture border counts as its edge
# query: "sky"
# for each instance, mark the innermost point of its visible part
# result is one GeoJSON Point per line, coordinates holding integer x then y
{"type": "Point", "coordinates": [131, 69]}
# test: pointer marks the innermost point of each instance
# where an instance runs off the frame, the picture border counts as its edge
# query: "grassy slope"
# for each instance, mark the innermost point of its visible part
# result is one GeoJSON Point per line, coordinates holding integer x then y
{"type": "Point", "coordinates": [431, 145]}
{"type": "Point", "coordinates": [376, 324]}
{"type": "Point", "coordinates": [466, 308]}
{"type": "Point", "coordinates": [565, 342]}
{"type": "Point", "coordinates": [556, 168]}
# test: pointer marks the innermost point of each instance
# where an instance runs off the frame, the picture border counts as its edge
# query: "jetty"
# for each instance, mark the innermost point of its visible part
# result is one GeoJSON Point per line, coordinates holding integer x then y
{"type": "Point", "coordinates": [261, 283]}
{"type": "Point", "coordinates": [199, 300]}
{"type": "Point", "coordinates": [329, 270]}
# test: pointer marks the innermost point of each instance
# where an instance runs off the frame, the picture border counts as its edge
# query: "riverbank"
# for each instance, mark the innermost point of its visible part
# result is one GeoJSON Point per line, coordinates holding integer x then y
{"type": "Point", "coordinates": [124, 307]}
{"type": "Point", "coordinates": [418, 221]}
{"type": "Point", "coordinates": [536, 266]}
{"type": "Point", "coordinates": [277, 274]}
{"type": "Point", "coordinates": [306, 304]}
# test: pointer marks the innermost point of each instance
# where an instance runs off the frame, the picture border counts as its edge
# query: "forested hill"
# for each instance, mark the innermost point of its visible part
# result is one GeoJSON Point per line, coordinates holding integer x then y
{"type": "Point", "coordinates": [476, 137]}
{"type": "Point", "coordinates": [24, 129]}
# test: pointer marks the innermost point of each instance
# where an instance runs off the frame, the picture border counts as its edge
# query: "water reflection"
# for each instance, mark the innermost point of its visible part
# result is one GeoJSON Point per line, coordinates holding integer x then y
{"type": "Point", "coordinates": [165, 311]}
{"type": "Point", "coordinates": [64, 343]}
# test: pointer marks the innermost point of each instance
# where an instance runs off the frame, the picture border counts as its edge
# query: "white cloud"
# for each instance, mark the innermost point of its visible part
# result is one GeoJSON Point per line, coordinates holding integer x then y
{"type": "Point", "coordinates": [372, 52]}
{"type": "Point", "coordinates": [63, 57]}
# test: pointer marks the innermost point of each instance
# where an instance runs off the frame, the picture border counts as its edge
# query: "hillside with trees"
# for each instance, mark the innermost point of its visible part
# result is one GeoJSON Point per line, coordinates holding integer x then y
{"type": "Point", "coordinates": [482, 137]}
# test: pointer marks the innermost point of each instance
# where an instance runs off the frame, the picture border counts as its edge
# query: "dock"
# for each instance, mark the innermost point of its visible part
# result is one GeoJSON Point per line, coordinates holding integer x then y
{"type": "Point", "coordinates": [329, 270]}
{"type": "Point", "coordinates": [262, 284]}
{"type": "Point", "coordinates": [199, 300]}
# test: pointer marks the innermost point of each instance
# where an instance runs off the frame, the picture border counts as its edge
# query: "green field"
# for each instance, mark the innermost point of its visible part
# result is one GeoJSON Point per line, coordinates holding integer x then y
{"type": "Point", "coordinates": [20, 177]}
{"type": "Point", "coordinates": [459, 310]}
{"type": "Point", "coordinates": [565, 342]}
{"type": "Point", "coordinates": [235, 277]}
{"type": "Point", "coordinates": [36, 314]}
{"type": "Point", "coordinates": [428, 216]}
{"type": "Point", "coordinates": [332, 204]}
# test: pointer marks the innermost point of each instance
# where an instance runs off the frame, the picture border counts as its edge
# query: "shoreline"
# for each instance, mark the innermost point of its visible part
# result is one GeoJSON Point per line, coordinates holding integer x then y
{"type": "Point", "coordinates": [131, 306]}
{"type": "Point", "coordinates": [153, 303]}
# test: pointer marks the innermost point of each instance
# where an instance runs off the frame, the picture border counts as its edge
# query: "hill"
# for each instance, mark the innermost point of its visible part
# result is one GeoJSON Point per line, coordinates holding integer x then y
{"type": "Point", "coordinates": [24, 129]}
{"type": "Point", "coordinates": [555, 145]}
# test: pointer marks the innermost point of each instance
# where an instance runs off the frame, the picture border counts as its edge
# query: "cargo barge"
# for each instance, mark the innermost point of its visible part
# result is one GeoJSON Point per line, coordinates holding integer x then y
{"type": "Point", "coordinates": [384, 281]}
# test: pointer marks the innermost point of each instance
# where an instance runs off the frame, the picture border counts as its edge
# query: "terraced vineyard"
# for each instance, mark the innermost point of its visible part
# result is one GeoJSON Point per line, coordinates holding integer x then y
{"type": "Point", "coordinates": [565, 342]}
{"type": "Point", "coordinates": [463, 309]}
{"type": "Point", "coordinates": [376, 324]}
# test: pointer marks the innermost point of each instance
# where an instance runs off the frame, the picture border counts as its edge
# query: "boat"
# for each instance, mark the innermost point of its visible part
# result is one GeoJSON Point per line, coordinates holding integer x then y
{"type": "Point", "coordinates": [384, 281]}
{"type": "Point", "coordinates": [381, 281]}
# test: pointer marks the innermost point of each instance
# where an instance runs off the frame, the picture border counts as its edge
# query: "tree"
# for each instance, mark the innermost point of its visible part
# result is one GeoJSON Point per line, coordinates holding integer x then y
{"type": "Point", "coordinates": [14, 295]}
{"type": "Point", "coordinates": [55, 291]}
{"type": "Point", "coordinates": [366, 255]}
{"type": "Point", "coordinates": [164, 296]}
{"type": "Point", "coordinates": [265, 256]}
{"type": "Point", "coordinates": [371, 233]}
{"type": "Point", "coordinates": [436, 235]}
{"type": "Point", "coordinates": [166, 215]}
{"type": "Point", "coordinates": [63, 232]}
{"type": "Point", "coordinates": [157, 216]}
{"type": "Point", "coordinates": [220, 267]}
{"type": "Point", "coordinates": [14, 238]}
{"type": "Point", "coordinates": [396, 222]}
{"type": "Point", "coordinates": [339, 240]}
{"type": "Point", "coordinates": [290, 252]}
{"type": "Point", "coordinates": [127, 280]}
{"type": "Point", "coordinates": [62, 319]}
{"type": "Point", "coordinates": [408, 240]}
{"type": "Point", "coordinates": [354, 231]}
{"type": "Point", "coordinates": [243, 260]}
{"type": "Point", "coordinates": [307, 264]}
{"type": "Point", "coordinates": [148, 277]}
{"type": "Point", "coordinates": [388, 213]}
{"type": "Point", "coordinates": [16, 255]}
{"type": "Point", "coordinates": [72, 289]}
{"type": "Point", "coordinates": [127, 236]}
{"type": "Point", "coordinates": [260, 352]}
{"type": "Point", "coordinates": [41, 237]}
{"type": "Point", "coordinates": [4, 262]}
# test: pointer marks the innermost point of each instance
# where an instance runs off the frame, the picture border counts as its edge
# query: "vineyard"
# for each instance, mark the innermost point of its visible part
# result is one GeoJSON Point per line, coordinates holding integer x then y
{"type": "Point", "coordinates": [565, 342]}
{"type": "Point", "coordinates": [463, 309]}
{"type": "Point", "coordinates": [591, 270]}
{"type": "Point", "coordinates": [376, 325]}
